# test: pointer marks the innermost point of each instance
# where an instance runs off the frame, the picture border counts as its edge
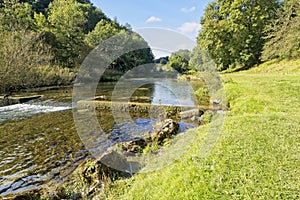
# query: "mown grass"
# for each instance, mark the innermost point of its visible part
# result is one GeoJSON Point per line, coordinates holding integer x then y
{"type": "Point", "coordinates": [257, 155]}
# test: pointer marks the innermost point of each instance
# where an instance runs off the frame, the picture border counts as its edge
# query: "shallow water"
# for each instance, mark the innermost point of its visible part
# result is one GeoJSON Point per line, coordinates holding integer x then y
{"type": "Point", "coordinates": [36, 150]}
{"type": "Point", "coordinates": [39, 141]}
{"type": "Point", "coordinates": [21, 111]}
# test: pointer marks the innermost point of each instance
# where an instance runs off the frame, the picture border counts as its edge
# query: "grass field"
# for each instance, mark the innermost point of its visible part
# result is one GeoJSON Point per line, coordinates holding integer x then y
{"type": "Point", "coordinates": [256, 156]}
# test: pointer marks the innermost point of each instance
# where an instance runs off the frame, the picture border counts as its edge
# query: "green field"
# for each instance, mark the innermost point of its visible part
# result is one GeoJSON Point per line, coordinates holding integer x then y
{"type": "Point", "coordinates": [256, 156]}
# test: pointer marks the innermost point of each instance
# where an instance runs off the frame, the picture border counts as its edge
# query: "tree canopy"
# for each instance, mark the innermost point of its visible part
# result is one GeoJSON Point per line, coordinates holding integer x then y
{"type": "Point", "coordinates": [36, 35]}
{"type": "Point", "coordinates": [283, 33]}
{"type": "Point", "coordinates": [179, 60]}
{"type": "Point", "coordinates": [233, 31]}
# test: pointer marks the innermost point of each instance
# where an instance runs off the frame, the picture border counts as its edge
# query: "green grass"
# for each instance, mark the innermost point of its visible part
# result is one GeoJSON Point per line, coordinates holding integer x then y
{"type": "Point", "coordinates": [257, 155]}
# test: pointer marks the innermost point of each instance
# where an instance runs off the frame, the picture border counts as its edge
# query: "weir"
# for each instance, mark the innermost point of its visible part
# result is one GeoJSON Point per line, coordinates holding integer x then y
{"type": "Point", "coordinates": [170, 110]}
{"type": "Point", "coordinates": [6, 100]}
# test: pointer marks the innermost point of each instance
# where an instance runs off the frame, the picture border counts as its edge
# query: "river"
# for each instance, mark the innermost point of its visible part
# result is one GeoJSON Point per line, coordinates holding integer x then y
{"type": "Point", "coordinates": [39, 143]}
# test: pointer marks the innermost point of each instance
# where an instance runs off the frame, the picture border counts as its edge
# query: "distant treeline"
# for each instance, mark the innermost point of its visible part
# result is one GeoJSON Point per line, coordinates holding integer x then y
{"type": "Point", "coordinates": [43, 42]}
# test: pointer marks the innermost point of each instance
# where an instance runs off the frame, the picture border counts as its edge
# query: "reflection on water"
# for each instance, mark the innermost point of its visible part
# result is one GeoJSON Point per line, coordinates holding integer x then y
{"type": "Point", "coordinates": [154, 91]}
{"type": "Point", "coordinates": [39, 144]}
{"type": "Point", "coordinates": [172, 92]}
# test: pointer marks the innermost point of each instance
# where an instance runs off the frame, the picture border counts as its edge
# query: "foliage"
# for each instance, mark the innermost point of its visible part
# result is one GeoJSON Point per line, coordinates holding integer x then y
{"type": "Point", "coordinates": [103, 30]}
{"type": "Point", "coordinates": [200, 60]}
{"type": "Point", "coordinates": [283, 33]}
{"type": "Point", "coordinates": [79, 27]}
{"type": "Point", "coordinates": [179, 61]}
{"type": "Point", "coordinates": [39, 6]}
{"type": "Point", "coordinates": [38, 33]}
{"type": "Point", "coordinates": [21, 48]}
{"type": "Point", "coordinates": [107, 29]}
{"type": "Point", "coordinates": [15, 16]}
{"type": "Point", "coordinates": [232, 31]}
{"type": "Point", "coordinates": [17, 58]}
{"type": "Point", "coordinates": [67, 17]}
{"type": "Point", "coordinates": [162, 60]}
{"type": "Point", "coordinates": [202, 94]}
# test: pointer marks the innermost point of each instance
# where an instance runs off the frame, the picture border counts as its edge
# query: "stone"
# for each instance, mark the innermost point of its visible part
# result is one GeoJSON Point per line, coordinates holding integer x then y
{"type": "Point", "coordinates": [216, 101]}
{"type": "Point", "coordinates": [169, 129]}
{"type": "Point", "coordinates": [114, 160]}
{"type": "Point", "coordinates": [111, 165]}
{"type": "Point", "coordinates": [189, 113]}
{"type": "Point", "coordinates": [134, 146]}
{"type": "Point", "coordinates": [7, 100]}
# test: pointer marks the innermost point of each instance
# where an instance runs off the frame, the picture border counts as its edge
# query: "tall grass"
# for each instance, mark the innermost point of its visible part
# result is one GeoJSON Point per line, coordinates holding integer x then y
{"type": "Point", "coordinates": [36, 77]}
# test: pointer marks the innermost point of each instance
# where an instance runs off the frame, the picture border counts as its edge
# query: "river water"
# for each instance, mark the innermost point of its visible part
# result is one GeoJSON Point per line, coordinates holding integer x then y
{"type": "Point", "coordinates": [39, 143]}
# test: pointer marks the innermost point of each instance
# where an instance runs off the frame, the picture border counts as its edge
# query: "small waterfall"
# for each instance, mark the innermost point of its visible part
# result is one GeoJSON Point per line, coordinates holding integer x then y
{"type": "Point", "coordinates": [20, 111]}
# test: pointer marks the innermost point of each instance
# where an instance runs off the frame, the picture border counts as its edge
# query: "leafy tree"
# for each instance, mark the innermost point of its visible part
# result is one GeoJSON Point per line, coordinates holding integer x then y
{"type": "Point", "coordinates": [162, 60]}
{"type": "Point", "coordinates": [283, 33]}
{"type": "Point", "coordinates": [108, 28]}
{"type": "Point", "coordinates": [70, 21]}
{"type": "Point", "coordinates": [39, 6]}
{"type": "Point", "coordinates": [94, 15]}
{"type": "Point", "coordinates": [67, 19]}
{"type": "Point", "coordinates": [134, 58]}
{"type": "Point", "coordinates": [103, 30]}
{"type": "Point", "coordinates": [15, 16]}
{"type": "Point", "coordinates": [233, 30]}
{"type": "Point", "coordinates": [198, 58]}
{"type": "Point", "coordinates": [35, 34]}
{"type": "Point", "coordinates": [179, 61]}
{"type": "Point", "coordinates": [21, 47]}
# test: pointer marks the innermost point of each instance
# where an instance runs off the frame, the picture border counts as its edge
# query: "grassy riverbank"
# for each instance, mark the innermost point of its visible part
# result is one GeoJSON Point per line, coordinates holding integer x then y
{"type": "Point", "coordinates": [256, 155]}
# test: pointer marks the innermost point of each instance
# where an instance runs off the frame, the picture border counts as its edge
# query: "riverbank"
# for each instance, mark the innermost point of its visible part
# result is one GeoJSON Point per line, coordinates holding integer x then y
{"type": "Point", "coordinates": [256, 155]}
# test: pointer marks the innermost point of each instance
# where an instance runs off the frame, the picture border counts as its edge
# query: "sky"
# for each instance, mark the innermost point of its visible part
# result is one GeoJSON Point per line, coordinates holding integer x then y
{"type": "Point", "coordinates": [179, 15]}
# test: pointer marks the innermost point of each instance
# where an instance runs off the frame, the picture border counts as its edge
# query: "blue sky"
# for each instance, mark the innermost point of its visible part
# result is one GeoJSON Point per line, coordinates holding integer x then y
{"type": "Point", "coordinates": [180, 15]}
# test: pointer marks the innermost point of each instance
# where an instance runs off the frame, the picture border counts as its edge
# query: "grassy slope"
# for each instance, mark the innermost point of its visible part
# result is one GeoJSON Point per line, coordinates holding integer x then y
{"type": "Point", "coordinates": [257, 155]}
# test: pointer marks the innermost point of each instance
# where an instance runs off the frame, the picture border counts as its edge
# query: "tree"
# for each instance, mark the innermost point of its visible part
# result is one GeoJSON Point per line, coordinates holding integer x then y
{"type": "Point", "coordinates": [21, 47]}
{"type": "Point", "coordinates": [103, 30]}
{"type": "Point", "coordinates": [15, 16]}
{"type": "Point", "coordinates": [39, 6]}
{"type": "Point", "coordinates": [284, 31]}
{"type": "Point", "coordinates": [68, 19]}
{"type": "Point", "coordinates": [134, 58]}
{"type": "Point", "coordinates": [179, 61]}
{"type": "Point", "coordinates": [233, 31]}
{"type": "Point", "coordinates": [198, 58]}
{"type": "Point", "coordinates": [94, 15]}
{"type": "Point", "coordinates": [32, 31]}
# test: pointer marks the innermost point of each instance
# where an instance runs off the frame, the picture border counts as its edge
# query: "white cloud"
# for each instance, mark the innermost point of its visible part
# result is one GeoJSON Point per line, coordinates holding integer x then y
{"type": "Point", "coordinates": [188, 10]}
{"type": "Point", "coordinates": [153, 19]}
{"type": "Point", "coordinates": [190, 27]}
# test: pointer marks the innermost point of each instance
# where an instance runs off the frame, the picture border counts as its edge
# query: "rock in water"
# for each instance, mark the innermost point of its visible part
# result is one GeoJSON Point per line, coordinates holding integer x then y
{"type": "Point", "coordinates": [190, 113]}
{"type": "Point", "coordinates": [111, 165]}
{"type": "Point", "coordinates": [134, 146]}
{"type": "Point", "coordinates": [169, 129]}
